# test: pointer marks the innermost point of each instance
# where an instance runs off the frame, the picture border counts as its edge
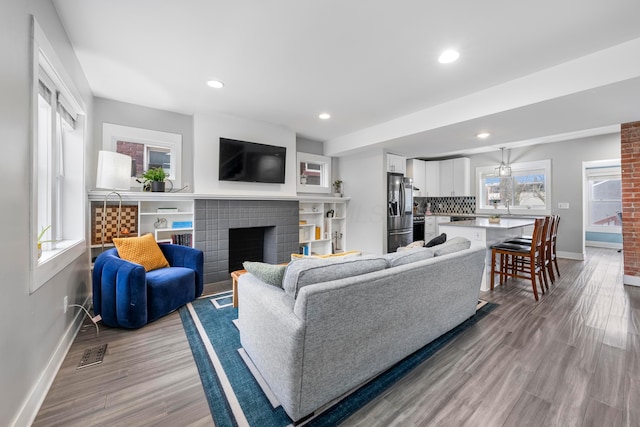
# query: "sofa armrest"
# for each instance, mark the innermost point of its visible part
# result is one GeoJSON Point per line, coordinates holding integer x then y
{"type": "Point", "coordinates": [185, 256]}
{"type": "Point", "coordinates": [272, 335]}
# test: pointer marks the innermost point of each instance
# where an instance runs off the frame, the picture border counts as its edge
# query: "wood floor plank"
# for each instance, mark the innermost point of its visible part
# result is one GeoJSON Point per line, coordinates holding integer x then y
{"type": "Point", "coordinates": [529, 411]}
{"type": "Point", "coordinates": [608, 379]}
{"type": "Point", "coordinates": [600, 414]}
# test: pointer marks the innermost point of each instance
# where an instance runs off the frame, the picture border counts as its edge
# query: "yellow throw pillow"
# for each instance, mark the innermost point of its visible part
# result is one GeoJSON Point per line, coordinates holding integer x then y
{"type": "Point", "coordinates": [141, 250]}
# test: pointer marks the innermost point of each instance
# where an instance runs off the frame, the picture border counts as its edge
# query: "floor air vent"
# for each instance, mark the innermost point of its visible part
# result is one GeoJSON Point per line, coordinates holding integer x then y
{"type": "Point", "coordinates": [92, 356]}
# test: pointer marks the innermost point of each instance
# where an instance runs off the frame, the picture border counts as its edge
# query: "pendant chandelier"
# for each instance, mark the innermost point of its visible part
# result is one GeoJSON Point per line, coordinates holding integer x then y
{"type": "Point", "coordinates": [503, 169]}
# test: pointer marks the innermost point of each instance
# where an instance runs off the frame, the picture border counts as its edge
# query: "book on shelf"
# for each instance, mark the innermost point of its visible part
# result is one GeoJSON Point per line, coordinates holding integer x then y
{"type": "Point", "coordinates": [184, 239]}
{"type": "Point", "coordinates": [161, 210]}
{"type": "Point", "coordinates": [182, 224]}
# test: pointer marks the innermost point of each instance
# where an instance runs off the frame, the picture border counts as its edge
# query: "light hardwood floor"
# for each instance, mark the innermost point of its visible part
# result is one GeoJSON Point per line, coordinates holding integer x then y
{"type": "Point", "coordinates": [572, 359]}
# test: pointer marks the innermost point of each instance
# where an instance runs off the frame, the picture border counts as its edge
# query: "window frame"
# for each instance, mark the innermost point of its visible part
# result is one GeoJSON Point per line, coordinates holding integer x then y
{"type": "Point", "coordinates": [325, 184]}
{"type": "Point", "coordinates": [65, 211]}
{"type": "Point", "coordinates": [112, 133]}
{"type": "Point", "coordinates": [486, 171]}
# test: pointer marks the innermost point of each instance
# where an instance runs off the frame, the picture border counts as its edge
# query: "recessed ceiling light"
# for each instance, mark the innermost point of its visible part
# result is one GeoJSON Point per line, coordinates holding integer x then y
{"type": "Point", "coordinates": [215, 84]}
{"type": "Point", "coordinates": [448, 56]}
{"type": "Point", "coordinates": [483, 135]}
{"type": "Point", "coordinates": [324, 116]}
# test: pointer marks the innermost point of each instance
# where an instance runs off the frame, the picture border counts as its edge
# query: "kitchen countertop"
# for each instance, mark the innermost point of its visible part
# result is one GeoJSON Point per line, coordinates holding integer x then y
{"type": "Point", "coordinates": [505, 223]}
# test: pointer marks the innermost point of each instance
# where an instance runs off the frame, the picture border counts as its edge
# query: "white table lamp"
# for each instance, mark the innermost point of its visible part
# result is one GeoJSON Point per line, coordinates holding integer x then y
{"type": "Point", "coordinates": [114, 173]}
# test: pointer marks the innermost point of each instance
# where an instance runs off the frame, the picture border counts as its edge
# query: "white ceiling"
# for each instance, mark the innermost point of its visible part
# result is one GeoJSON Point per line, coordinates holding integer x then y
{"type": "Point", "coordinates": [527, 71]}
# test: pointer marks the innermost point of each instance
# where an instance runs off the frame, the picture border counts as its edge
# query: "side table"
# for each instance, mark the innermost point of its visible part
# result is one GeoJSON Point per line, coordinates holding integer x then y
{"type": "Point", "coordinates": [234, 284]}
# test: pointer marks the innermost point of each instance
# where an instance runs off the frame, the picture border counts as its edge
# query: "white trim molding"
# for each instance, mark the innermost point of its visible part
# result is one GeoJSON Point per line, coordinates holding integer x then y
{"type": "Point", "coordinates": [631, 280]}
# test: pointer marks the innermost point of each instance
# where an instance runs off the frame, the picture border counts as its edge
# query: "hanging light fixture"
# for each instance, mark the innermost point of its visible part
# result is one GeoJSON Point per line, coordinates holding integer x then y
{"type": "Point", "coordinates": [503, 169]}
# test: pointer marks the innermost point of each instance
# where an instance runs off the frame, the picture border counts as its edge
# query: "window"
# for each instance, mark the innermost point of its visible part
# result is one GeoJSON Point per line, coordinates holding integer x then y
{"type": "Point", "coordinates": [57, 191]}
{"type": "Point", "coordinates": [147, 148]}
{"type": "Point", "coordinates": [526, 190]}
{"type": "Point", "coordinates": [604, 199]}
{"type": "Point", "coordinates": [314, 173]}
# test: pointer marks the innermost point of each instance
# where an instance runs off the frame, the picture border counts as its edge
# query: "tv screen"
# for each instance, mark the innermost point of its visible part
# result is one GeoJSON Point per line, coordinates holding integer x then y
{"type": "Point", "coordinates": [251, 162]}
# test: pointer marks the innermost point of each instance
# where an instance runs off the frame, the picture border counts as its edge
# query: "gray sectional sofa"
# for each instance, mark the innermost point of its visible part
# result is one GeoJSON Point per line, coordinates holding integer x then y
{"type": "Point", "coordinates": [337, 324]}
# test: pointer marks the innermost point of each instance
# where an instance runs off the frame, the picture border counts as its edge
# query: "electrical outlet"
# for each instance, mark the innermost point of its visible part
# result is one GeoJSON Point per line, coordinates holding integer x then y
{"type": "Point", "coordinates": [563, 205]}
{"type": "Point", "coordinates": [65, 303]}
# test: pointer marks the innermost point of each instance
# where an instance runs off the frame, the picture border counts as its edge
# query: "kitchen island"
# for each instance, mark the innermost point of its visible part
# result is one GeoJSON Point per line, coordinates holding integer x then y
{"type": "Point", "coordinates": [481, 232]}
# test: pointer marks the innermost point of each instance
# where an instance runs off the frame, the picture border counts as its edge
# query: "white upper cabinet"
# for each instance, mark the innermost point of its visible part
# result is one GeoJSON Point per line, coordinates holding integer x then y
{"type": "Point", "coordinates": [396, 164]}
{"type": "Point", "coordinates": [455, 177]}
{"type": "Point", "coordinates": [431, 179]}
{"type": "Point", "coordinates": [416, 171]}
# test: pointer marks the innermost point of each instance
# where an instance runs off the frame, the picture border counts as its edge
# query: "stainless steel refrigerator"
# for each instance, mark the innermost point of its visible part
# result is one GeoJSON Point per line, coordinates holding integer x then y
{"type": "Point", "coordinates": [399, 211]}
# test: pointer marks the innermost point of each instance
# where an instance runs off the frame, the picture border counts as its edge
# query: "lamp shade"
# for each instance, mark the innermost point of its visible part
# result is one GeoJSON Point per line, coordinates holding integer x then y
{"type": "Point", "coordinates": [114, 171]}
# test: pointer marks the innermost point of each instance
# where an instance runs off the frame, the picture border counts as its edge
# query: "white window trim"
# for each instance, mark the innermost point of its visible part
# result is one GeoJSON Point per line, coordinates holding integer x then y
{"type": "Point", "coordinates": [325, 162]}
{"type": "Point", "coordinates": [111, 133]}
{"type": "Point", "coordinates": [66, 251]}
{"type": "Point", "coordinates": [538, 164]}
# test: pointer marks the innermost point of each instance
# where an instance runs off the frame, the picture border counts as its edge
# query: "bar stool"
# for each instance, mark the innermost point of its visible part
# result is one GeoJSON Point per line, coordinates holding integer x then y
{"type": "Point", "coordinates": [520, 261]}
{"type": "Point", "coordinates": [547, 269]}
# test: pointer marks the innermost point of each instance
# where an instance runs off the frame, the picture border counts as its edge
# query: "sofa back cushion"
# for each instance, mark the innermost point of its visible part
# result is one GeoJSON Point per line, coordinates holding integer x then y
{"type": "Point", "coordinates": [407, 256]}
{"type": "Point", "coordinates": [452, 245]}
{"type": "Point", "coordinates": [308, 271]}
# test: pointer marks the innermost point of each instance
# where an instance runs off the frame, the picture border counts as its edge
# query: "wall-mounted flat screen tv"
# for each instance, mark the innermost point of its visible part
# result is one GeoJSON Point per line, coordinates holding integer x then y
{"type": "Point", "coordinates": [251, 162]}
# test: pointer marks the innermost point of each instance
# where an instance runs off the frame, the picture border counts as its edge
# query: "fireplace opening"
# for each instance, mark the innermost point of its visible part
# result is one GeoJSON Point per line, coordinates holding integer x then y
{"type": "Point", "coordinates": [250, 244]}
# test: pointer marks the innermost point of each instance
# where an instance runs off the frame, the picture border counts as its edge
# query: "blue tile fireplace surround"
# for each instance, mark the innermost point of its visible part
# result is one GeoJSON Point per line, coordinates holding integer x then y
{"type": "Point", "coordinates": [214, 218]}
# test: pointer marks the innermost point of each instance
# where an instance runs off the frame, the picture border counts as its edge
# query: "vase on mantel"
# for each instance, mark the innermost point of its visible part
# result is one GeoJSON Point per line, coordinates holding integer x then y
{"type": "Point", "coordinates": [157, 186]}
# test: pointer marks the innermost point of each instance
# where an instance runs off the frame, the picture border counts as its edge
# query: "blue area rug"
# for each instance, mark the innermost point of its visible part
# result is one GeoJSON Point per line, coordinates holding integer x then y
{"type": "Point", "coordinates": [247, 398]}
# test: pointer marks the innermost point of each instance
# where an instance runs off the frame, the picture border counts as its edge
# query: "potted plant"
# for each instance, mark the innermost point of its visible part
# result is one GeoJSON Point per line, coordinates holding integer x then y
{"type": "Point", "coordinates": [154, 179]}
{"type": "Point", "coordinates": [39, 240]}
{"type": "Point", "coordinates": [337, 188]}
{"type": "Point", "coordinates": [494, 219]}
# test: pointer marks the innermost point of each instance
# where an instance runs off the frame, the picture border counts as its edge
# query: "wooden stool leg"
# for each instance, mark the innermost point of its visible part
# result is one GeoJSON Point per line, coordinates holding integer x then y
{"type": "Point", "coordinates": [234, 284]}
{"type": "Point", "coordinates": [493, 267]}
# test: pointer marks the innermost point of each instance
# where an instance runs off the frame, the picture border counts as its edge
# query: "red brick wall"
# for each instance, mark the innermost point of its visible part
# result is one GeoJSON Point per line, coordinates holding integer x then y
{"type": "Point", "coordinates": [135, 150]}
{"type": "Point", "coordinates": [630, 162]}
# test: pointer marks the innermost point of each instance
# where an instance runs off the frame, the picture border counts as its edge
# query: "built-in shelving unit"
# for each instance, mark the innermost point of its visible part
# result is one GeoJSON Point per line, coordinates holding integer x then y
{"type": "Point", "coordinates": [322, 226]}
{"type": "Point", "coordinates": [169, 220]}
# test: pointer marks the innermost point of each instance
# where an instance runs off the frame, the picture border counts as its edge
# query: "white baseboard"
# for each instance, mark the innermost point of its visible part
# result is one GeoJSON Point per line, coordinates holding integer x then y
{"type": "Point", "coordinates": [29, 410]}
{"type": "Point", "coordinates": [607, 245]}
{"type": "Point", "coordinates": [571, 255]}
{"type": "Point", "coordinates": [631, 280]}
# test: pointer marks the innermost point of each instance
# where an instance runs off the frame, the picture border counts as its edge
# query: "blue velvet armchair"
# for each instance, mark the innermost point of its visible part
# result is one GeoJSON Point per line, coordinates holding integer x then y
{"type": "Point", "coordinates": [127, 296]}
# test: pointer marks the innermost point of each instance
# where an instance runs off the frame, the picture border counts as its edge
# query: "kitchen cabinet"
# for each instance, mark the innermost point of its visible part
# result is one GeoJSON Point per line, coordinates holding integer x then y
{"type": "Point", "coordinates": [396, 164]}
{"type": "Point", "coordinates": [430, 228]}
{"type": "Point", "coordinates": [455, 177]}
{"type": "Point", "coordinates": [416, 171]}
{"type": "Point", "coordinates": [431, 179]}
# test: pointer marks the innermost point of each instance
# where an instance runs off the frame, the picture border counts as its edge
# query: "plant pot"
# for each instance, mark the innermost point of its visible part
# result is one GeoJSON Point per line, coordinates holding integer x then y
{"type": "Point", "coordinates": [39, 250]}
{"type": "Point", "coordinates": [157, 186]}
{"type": "Point", "coordinates": [494, 220]}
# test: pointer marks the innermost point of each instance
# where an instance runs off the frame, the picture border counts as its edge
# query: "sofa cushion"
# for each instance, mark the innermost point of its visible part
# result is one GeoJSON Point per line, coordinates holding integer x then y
{"type": "Point", "coordinates": [407, 256]}
{"type": "Point", "coordinates": [268, 273]}
{"type": "Point", "coordinates": [141, 250]}
{"type": "Point", "coordinates": [438, 240]}
{"type": "Point", "coordinates": [452, 245]}
{"type": "Point", "coordinates": [308, 271]}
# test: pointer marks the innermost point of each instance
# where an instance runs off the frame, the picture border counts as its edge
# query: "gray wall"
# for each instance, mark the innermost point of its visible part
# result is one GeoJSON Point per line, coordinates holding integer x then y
{"type": "Point", "coordinates": [305, 145]}
{"type": "Point", "coordinates": [32, 326]}
{"type": "Point", "coordinates": [122, 113]}
{"type": "Point", "coordinates": [566, 178]}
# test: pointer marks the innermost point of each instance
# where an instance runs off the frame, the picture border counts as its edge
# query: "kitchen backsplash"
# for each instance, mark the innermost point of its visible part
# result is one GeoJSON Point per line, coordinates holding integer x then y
{"type": "Point", "coordinates": [446, 205]}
